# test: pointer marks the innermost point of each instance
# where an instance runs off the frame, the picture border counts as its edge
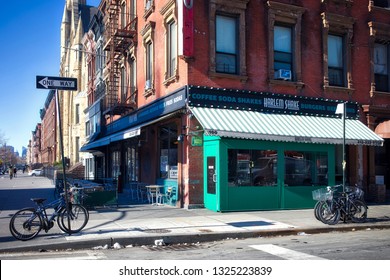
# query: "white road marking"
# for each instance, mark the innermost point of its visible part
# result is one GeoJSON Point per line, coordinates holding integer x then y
{"type": "Point", "coordinates": [284, 253]}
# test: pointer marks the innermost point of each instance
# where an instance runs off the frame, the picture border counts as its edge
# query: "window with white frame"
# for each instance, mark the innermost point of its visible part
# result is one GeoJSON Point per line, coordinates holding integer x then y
{"type": "Point", "coordinates": [148, 37]}
{"type": "Point", "coordinates": [172, 48]}
{"type": "Point", "coordinates": [226, 58]}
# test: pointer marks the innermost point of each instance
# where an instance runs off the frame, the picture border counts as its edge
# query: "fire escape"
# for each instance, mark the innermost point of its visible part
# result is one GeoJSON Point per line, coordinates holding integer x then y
{"type": "Point", "coordinates": [120, 34]}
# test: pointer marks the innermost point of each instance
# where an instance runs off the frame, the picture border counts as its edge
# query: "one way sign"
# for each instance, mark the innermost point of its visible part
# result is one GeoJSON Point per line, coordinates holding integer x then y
{"type": "Point", "coordinates": [61, 83]}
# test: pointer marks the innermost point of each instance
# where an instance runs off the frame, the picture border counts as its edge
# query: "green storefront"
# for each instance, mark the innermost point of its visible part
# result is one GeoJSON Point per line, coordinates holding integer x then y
{"type": "Point", "coordinates": [266, 151]}
{"type": "Point", "coordinates": [253, 175]}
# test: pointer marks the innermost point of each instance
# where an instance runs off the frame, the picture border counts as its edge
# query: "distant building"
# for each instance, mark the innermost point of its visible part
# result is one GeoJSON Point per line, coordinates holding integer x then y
{"type": "Point", "coordinates": [76, 18]}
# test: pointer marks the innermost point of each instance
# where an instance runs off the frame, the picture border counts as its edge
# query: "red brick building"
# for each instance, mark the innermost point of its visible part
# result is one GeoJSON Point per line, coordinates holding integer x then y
{"type": "Point", "coordinates": [180, 74]}
{"type": "Point", "coordinates": [49, 130]}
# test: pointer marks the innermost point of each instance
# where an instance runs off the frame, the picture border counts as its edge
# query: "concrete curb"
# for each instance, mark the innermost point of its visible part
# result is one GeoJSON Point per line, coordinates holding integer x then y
{"type": "Point", "coordinates": [184, 238]}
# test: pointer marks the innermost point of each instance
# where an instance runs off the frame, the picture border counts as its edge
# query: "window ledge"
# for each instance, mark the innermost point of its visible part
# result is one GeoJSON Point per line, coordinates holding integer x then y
{"type": "Point", "coordinates": [297, 85]}
{"type": "Point", "coordinates": [372, 8]}
{"type": "Point", "coordinates": [171, 80]}
{"type": "Point", "coordinates": [149, 92]}
{"type": "Point", "coordinates": [329, 89]}
{"type": "Point", "coordinates": [380, 93]}
{"type": "Point", "coordinates": [242, 78]}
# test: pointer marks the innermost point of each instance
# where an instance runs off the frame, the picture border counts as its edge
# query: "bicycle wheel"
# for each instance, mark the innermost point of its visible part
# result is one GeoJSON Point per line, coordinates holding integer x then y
{"type": "Point", "coordinates": [25, 224]}
{"type": "Point", "coordinates": [78, 217]}
{"type": "Point", "coordinates": [328, 214]}
{"type": "Point", "coordinates": [316, 207]}
{"type": "Point", "coordinates": [358, 211]}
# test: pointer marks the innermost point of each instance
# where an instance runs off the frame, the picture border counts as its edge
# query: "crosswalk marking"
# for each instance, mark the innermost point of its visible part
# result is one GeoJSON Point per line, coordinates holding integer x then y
{"type": "Point", "coordinates": [284, 253]}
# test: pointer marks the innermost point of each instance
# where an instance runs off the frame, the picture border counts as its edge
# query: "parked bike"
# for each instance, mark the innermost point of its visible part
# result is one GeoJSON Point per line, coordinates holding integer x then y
{"type": "Point", "coordinates": [26, 223]}
{"type": "Point", "coordinates": [334, 205]}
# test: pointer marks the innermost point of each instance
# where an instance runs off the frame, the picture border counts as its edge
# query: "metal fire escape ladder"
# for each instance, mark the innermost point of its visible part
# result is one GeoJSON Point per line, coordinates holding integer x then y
{"type": "Point", "coordinates": [118, 41]}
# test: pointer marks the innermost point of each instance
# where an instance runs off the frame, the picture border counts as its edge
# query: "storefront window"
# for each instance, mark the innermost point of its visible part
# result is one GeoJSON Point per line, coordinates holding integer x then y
{"type": "Point", "coordinates": [305, 168]}
{"type": "Point", "coordinates": [260, 168]}
{"type": "Point", "coordinates": [116, 161]}
{"type": "Point", "coordinates": [252, 167]}
{"type": "Point", "coordinates": [132, 163]}
{"type": "Point", "coordinates": [168, 151]}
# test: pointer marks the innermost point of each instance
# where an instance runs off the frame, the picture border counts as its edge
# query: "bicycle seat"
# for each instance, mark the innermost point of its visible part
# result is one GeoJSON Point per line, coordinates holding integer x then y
{"type": "Point", "coordinates": [38, 200]}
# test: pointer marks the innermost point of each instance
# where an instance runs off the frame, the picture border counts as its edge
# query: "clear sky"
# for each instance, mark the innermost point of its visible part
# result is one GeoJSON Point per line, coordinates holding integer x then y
{"type": "Point", "coordinates": [30, 46]}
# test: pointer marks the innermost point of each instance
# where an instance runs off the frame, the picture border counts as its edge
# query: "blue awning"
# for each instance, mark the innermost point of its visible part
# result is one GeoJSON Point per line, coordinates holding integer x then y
{"type": "Point", "coordinates": [126, 134]}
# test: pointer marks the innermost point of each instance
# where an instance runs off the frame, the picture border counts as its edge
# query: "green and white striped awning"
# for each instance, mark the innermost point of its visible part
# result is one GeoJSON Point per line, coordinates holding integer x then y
{"type": "Point", "coordinates": [287, 128]}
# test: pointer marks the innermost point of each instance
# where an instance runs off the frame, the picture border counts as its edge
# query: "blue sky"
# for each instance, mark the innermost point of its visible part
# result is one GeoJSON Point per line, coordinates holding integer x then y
{"type": "Point", "coordinates": [30, 46]}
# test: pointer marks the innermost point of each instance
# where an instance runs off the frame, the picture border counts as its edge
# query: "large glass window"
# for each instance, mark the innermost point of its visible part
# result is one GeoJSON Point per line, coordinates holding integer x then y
{"type": "Point", "coordinates": [381, 67]}
{"type": "Point", "coordinates": [132, 163]}
{"type": "Point", "coordinates": [305, 168]}
{"type": "Point", "coordinates": [226, 44]}
{"type": "Point", "coordinates": [260, 168]}
{"type": "Point", "coordinates": [168, 151]}
{"type": "Point", "coordinates": [252, 167]}
{"type": "Point", "coordinates": [115, 164]}
{"type": "Point", "coordinates": [335, 60]}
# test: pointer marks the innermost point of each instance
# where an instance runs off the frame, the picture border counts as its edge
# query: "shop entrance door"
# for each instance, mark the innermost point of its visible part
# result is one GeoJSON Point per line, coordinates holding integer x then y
{"type": "Point", "coordinates": [211, 175]}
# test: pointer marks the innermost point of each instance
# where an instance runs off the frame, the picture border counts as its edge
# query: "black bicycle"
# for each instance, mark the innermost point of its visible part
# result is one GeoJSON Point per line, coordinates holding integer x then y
{"type": "Point", "coordinates": [334, 205]}
{"type": "Point", "coordinates": [26, 223]}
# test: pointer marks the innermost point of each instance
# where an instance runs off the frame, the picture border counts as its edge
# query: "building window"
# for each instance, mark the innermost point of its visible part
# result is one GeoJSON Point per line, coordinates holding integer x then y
{"type": "Point", "coordinates": [148, 37]}
{"type": "Point", "coordinates": [149, 7]}
{"type": "Point", "coordinates": [133, 79]}
{"type": "Point", "coordinates": [380, 57]}
{"type": "Point", "coordinates": [337, 43]}
{"type": "Point", "coordinates": [132, 161]}
{"type": "Point", "coordinates": [149, 64]}
{"type": "Point", "coordinates": [133, 10]}
{"type": "Point", "coordinates": [336, 61]}
{"type": "Point", "coordinates": [284, 40]}
{"type": "Point", "coordinates": [77, 148]}
{"type": "Point", "coordinates": [226, 44]}
{"type": "Point", "coordinates": [168, 151]}
{"type": "Point", "coordinates": [123, 85]}
{"type": "Point", "coordinates": [172, 49]}
{"type": "Point", "coordinates": [381, 67]}
{"type": "Point", "coordinates": [171, 42]}
{"type": "Point", "coordinates": [123, 15]}
{"type": "Point", "coordinates": [77, 114]}
{"type": "Point", "coordinates": [228, 39]}
{"type": "Point", "coordinates": [382, 3]}
{"type": "Point", "coordinates": [252, 168]}
{"type": "Point", "coordinates": [261, 168]}
{"type": "Point", "coordinates": [283, 56]}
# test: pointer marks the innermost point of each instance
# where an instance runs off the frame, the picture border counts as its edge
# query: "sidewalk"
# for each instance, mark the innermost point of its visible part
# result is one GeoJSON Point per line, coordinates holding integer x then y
{"type": "Point", "coordinates": [144, 224]}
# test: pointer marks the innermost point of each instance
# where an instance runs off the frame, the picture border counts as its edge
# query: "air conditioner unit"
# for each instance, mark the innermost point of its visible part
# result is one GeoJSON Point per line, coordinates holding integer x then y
{"type": "Point", "coordinates": [148, 85]}
{"type": "Point", "coordinates": [283, 74]}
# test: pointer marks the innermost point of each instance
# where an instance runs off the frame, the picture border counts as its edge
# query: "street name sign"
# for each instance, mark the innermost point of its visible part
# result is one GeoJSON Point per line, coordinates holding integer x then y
{"type": "Point", "coordinates": [60, 83]}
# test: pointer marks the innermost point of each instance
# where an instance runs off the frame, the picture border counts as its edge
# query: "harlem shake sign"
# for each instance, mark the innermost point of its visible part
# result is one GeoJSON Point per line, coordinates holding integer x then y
{"type": "Point", "coordinates": [266, 102]}
{"type": "Point", "coordinates": [61, 83]}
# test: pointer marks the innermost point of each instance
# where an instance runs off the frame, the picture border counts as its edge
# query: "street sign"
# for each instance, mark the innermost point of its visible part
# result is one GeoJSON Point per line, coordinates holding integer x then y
{"type": "Point", "coordinates": [60, 83]}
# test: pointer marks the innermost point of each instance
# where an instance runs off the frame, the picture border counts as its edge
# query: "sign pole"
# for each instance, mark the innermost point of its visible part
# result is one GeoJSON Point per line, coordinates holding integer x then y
{"type": "Point", "coordinates": [59, 83]}
{"type": "Point", "coordinates": [344, 149]}
{"type": "Point", "coordinates": [63, 158]}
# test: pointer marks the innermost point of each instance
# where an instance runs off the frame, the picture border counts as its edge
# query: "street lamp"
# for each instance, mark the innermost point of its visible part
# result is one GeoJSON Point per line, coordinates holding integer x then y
{"type": "Point", "coordinates": [341, 109]}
